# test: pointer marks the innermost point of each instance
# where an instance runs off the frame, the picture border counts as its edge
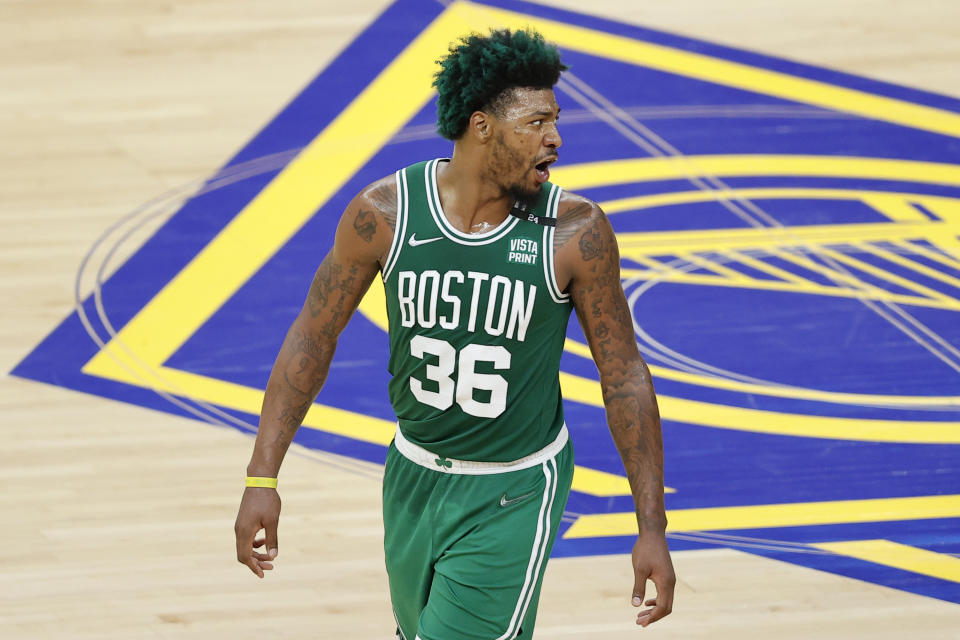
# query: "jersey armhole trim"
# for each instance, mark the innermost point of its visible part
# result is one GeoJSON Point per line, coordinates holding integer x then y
{"type": "Point", "coordinates": [549, 272]}
{"type": "Point", "coordinates": [400, 233]}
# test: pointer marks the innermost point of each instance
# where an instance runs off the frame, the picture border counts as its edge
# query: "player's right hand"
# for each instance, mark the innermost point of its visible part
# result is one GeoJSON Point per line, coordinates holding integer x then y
{"type": "Point", "coordinates": [259, 509]}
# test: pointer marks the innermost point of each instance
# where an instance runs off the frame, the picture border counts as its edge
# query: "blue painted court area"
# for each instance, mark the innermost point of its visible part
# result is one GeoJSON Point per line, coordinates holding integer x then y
{"type": "Point", "coordinates": [791, 259]}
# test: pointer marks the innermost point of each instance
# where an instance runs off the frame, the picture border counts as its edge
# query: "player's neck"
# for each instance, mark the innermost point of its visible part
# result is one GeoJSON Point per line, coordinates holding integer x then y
{"type": "Point", "coordinates": [471, 202]}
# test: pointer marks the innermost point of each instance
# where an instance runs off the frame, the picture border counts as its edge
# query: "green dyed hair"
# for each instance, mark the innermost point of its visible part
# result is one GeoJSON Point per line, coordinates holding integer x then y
{"type": "Point", "coordinates": [480, 71]}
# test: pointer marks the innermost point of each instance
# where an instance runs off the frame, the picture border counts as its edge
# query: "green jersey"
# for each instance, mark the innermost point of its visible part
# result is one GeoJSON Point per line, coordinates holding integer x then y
{"type": "Point", "coordinates": [477, 324]}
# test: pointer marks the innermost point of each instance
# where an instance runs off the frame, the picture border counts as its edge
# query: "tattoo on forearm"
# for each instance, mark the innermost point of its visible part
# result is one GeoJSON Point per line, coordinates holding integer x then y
{"type": "Point", "coordinates": [307, 365]}
{"type": "Point", "coordinates": [595, 309]}
{"type": "Point", "coordinates": [332, 291]}
{"type": "Point", "coordinates": [319, 295]}
{"type": "Point", "coordinates": [301, 373]}
{"type": "Point", "coordinates": [292, 417]}
{"type": "Point", "coordinates": [635, 427]}
{"type": "Point", "coordinates": [628, 395]}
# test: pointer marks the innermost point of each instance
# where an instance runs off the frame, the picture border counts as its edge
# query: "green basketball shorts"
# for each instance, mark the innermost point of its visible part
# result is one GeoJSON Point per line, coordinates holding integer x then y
{"type": "Point", "coordinates": [467, 542]}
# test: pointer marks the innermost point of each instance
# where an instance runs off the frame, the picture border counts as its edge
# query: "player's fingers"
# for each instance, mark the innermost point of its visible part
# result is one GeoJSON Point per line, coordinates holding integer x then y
{"type": "Point", "coordinates": [244, 538]}
{"type": "Point", "coordinates": [663, 604]}
{"type": "Point", "coordinates": [258, 543]}
{"type": "Point", "coordinates": [273, 547]}
{"type": "Point", "coordinates": [639, 587]}
{"type": "Point", "coordinates": [255, 567]}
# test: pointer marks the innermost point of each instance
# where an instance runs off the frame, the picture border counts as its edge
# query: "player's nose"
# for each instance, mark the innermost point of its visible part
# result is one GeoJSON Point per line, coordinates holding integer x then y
{"type": "Point", "coordinates": [552, 138]}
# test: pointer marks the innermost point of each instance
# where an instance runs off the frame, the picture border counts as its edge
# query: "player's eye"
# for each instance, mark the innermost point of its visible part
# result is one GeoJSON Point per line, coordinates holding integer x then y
{"type": "Point", "coordinates": [537, 122]}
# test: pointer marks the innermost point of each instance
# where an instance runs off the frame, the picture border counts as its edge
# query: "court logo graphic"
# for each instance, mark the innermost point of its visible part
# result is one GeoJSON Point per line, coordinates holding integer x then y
{"type": "Point", "coordinates": [789, 249]}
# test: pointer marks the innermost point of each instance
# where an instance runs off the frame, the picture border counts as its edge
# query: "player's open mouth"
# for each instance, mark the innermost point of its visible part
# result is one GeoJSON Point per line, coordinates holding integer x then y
{"type": "Point", "coordinates": [543, 171]}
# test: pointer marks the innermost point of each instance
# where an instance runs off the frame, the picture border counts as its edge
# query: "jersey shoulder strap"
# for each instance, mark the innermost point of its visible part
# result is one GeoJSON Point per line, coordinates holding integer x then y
{"type": "Point", "coordinates": [406, 178]}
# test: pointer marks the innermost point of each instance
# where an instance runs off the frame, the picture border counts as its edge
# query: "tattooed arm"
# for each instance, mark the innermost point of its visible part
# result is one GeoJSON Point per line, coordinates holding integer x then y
{"type": "Point", "coordinates": [361, 244]}
{"type": "Point", "coordinates": [588, 266]}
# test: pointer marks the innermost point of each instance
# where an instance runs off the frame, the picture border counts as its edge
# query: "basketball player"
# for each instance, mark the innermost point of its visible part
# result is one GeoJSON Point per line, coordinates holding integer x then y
{"type": "Point", "coordinates": [482, 259]}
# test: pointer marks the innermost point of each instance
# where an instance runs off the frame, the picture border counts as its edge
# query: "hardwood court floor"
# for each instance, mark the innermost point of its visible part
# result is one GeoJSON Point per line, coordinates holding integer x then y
{"type": "Point", "coordinates": [119, 519]}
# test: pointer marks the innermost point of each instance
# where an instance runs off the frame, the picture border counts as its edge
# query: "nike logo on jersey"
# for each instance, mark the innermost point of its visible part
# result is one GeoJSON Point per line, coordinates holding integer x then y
{"type": "Point", "coordinates": [506, 502]}
{"type": "Point", "coordinates": [413, 242]}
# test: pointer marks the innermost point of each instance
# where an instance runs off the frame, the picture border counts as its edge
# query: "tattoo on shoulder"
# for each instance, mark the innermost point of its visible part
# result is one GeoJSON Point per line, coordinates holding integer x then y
{"type": "Point", "coordinates": [366, 224]}
{"type": "Point", "coordinates": [591, 243]}
{"type": "Point", "coordinates": [384, 198]}
{"type": "Point", "coordinates": [570, 222]}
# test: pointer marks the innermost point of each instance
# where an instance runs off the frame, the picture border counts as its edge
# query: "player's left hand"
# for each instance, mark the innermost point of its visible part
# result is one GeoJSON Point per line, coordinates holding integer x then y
{"type": "Point", "coordinates": [651, 560]}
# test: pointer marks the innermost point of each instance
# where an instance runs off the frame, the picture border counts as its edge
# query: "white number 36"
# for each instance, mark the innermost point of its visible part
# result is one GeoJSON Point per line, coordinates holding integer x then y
{"type": "Point", "coordinates": [468, 380]}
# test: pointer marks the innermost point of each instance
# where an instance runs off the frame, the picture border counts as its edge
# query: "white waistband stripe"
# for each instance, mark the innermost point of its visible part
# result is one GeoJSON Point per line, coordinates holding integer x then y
{"type": "Point", "coordinates": [418, 455]}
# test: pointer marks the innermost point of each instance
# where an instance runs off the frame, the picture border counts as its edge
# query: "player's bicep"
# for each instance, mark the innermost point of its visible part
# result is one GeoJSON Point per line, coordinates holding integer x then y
{"type": "Point", "coordinates": [346, 272]}
{"type": "Point", "coordinates": [598, 297]}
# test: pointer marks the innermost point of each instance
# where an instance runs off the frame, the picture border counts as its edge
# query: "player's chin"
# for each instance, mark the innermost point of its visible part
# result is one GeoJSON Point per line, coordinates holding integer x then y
{"type": "Point", "coordinates": [525, 194]}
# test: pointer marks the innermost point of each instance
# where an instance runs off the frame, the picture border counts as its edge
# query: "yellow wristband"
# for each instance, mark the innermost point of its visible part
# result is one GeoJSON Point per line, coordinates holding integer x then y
{"type": "Point", "coordinates": [268, 483]}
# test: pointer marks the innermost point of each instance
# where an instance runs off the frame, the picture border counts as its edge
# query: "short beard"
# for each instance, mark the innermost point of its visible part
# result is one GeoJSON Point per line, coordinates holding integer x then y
{"type": "Point", "coordinates": [503, 158]}
{"type": "Point", "coordinates": [524, 198]}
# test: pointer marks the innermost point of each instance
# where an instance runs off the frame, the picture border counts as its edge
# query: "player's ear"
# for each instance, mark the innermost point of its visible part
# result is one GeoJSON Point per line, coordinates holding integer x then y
{"type": "Point", "coordinates": [480, 126]}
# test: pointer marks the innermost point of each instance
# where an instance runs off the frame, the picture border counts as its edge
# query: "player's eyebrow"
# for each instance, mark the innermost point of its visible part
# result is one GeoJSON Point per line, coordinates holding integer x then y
{"type": "Point", "coordinates": [543, 112]}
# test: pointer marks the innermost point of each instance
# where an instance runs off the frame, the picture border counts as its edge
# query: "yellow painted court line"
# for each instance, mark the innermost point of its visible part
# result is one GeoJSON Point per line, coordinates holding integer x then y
{"type": "Point", "coordinates": [603, 483]}
{"type": "Point", "coordinates": [345, 145]}
{"type": "Point", "coordinates": [719, 71]}
{"type": "Point", "coordinates": [897, 209]}
{"type": "Point", "coordinates": [630, 170]}
{"type": "Point", "coordinates": [809, 287]}
{"type": "Point", "coordinates": [898, 556]}
{"type": "Point", "coordinates": [728, 274]}
{"type": "Point", "coordinates": [921, 290]}
{"type": "Point", "coordinates": [582, 350]}
{"type": "Point", "coordinates": [647, 274]}
{"type": "Point", "coordinates": [947, 209]}
{"type": "Point", "coordinates": [350, 140]}
{"type": "Point", "coordinates": [770, 238]}
{"type": "Point", "coordinates": [586, 391]}
{"type": "Point", "coordinates": [839, 277]}
{"type": "Point", "coordinates": [651, 262]}
{"type": "Point", "coordinates": [895, 205]}
{"type": "Point", "coordinates": [292, 198]}
{"type": "Point", "coordinates": [348, 423]}
{"type": "Point", "coordinates": [320, 417]}
{"type": "Point", "coordinates": [774, 515]}
{"type": "Point", "coordinates": [354, 425]}
{"type": "Point", "coordinates": [913, 265]}
{"type": "Point", "coordinates": [953, 263]}
{"type": "Point", "coordinates": [763, 267]}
